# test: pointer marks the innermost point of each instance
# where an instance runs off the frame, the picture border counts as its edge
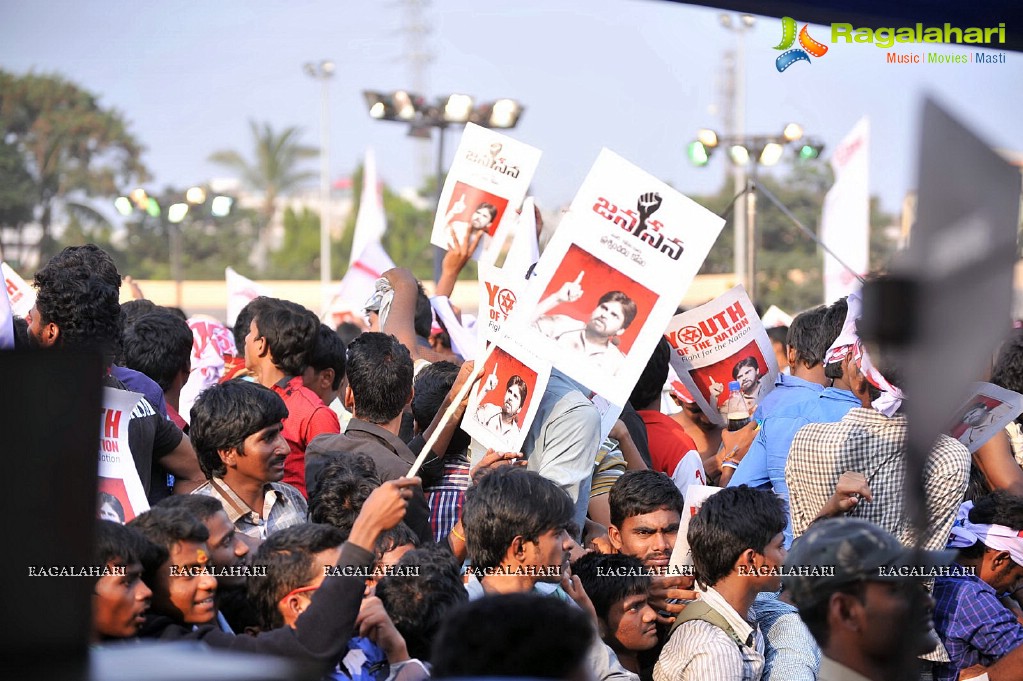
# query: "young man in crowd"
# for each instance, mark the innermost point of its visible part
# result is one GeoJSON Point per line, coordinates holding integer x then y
{"type": "Point", "coordinates": [120, 599]}
{"type": "Point", "coordinates": [183, 602]}
{"type": "Point", "coordinates": [277, 347]}
{"type": "Point", "coordinates": [646, 511]}
{"type": "Point", "coordinates": [788, 407]}
{"type": "Point", "coordinates": [159, 344]}
{"type": "Point", "coordinates": [870, 622]}
{"type": "Point", "coordinates": [77, 309]}
{"type": "Point", "coordinates": [672, 451]}
{"type": "Point", "coordinates": [737, 543]}
{"type": "Point", "coordinates": [516, 532]}
{"type": "Point", "coordinates": [237, 429]}
{"type": "Point", "coordinates": [379, 388]}
{"type": "Point", "coordinates": [619, 589]}
{"type": "Point", "coordinates": [976, 628]}
{"type": "Point", "coordinates": [229, 555]}
{"type": "Point", "coordinates": [325, 371]}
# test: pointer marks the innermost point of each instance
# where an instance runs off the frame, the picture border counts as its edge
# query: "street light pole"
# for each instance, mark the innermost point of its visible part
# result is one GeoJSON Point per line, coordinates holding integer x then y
{"type": "Point", "coordinates": [438, 252]}
{"type": "Point", "coordinates": [323, 73]}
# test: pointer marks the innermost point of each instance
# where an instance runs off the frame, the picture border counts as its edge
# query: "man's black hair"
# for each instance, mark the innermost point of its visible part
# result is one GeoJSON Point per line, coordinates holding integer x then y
{"type": "Point", "coordinates": [243, 322]}
{"type": "Point", "coordinates": [82, 304]}
{"type": "Point", "coordinates": [506, 503]}
{"type": "Point", "coordinates": [225, 414]}
{"type": "Point", "coordinates": [728, 523]}
{"type": "Point", "coordinates": [114, 502]}
{"type": "Point", "coordinates": [519, 635]}
{"type": "Point", "coordinates": [750, 361]}
{"type": "Point", "coordinates": [997, 508]}
{"type": "Point", "coordinates": [628, 305]}
{"type": "Point", "coordinates": [419, 602]}
{"type": "Point", "coordinates": [423, 322]}
{"type": "Point", "coordinates": [380, 375]}
{"type": "Point", "coordinates": [89, 258]}
{"type": "Point", "coordinates": [779, 334]}
{"type": "Point", "coordinates": [609, 578]}
{"type": "Point", "coordinates": [431, 385]}
{"type": "Point", "coordinates": [328, 353]}
{"type": "Point", "coordinates": [807, 336]}
{"type": "Point", "coordinates": [165, 527]}
{"type": "Point", "coordinates": [134, 310]}
{"type": "Point", "coordinates": [338, 496]}
{"type": "Point", "coordinates": [651, 381]}
{"type": "Point", "coordinates": [399, 535]}
{"type": "Point", "coordinates": [1008, 370]}
{"type": "Point", "coordinates": [348, 331]}
{"type": "Point", "coordinates": [287, 559]}
{"type": "Point", "coordinates": [641, 492]}
{"type": "Point", "coordinates": [116, 544]}
{"type": "Point", "coordinates": [21, 339]}
{"type": "Point", "coordinates": [202, 506]}
{"type": "Point", "coordinates": [289, 331]}
{"type": "Point", "coordinates": [159, 345]}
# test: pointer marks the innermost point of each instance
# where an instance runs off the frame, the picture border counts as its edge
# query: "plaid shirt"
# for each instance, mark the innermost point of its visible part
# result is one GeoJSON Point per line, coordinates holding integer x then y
{"type": "Point", "coordinates": [870, 443]}
{"type": "Point", "coordinates": [445, 498]}
{"type": "Point", "coordinates": [283, 506]}
{"type": "Point", "coordinates": [975, 626]}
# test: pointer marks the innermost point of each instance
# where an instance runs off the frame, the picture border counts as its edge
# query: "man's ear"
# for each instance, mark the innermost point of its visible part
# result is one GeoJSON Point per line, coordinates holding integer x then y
{"type": "Point", "coordinates": [349, 399]}
{"type": "Point", "coordinates": [327, 379]}
{"type": "Point", "coordinates": [291, 608]}
{"type": "Point", "coordinates": [50, 335]}
{"type": "Point", "coordinates": [228, 456]}
{"type": "Point", "coordinates": [1000, 559]}
{"type": "Point", "coordinates": [517, 549]}
{"type": "Point", "coordinates": [791, 356]}
{"type": "Point", "coordinates": [614, 535]}
{"type": "Point", "coordinates": [844, 612]}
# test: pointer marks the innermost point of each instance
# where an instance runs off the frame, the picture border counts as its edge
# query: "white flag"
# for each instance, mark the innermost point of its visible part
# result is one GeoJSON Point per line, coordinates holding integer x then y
{"type": "Point", "coordinates": [21, 294]}
{"type": "Point", "coordinates": [6, 321]}
{"type": "Point", "coordinates": [240, 290]}
{"type": "Point", "coordinates": [370, 223]}
{"type": "Point", "coordinates": [845, 223]}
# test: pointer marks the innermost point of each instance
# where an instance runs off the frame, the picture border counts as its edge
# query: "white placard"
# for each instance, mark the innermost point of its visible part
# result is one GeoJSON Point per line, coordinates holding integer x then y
{"type": "Point", "coordinates": [486, 184]}
{"type": "Point", "coordinates": [612, 275]}
{"type": "Point", "coordinates": [682, 554]}
{"type": "Point", "coordinates": [22, 296]}
{"type": "Point", "coordinates": [988, 410]}
{"type": "Point", "coordinates": [121, 495]}
{"type": "Point", "coordinates": [504, 402]}
{"type": "Point", "coordinates": [718, 342]}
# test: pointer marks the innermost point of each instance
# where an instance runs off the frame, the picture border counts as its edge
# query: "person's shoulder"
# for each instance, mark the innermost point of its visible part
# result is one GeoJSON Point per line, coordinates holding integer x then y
{"type": "Point", "coordinates": [329, 442]}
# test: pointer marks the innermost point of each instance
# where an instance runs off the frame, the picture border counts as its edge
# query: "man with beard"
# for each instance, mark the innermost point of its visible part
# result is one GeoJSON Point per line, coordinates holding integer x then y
{"type": "Point", "coordinates": [594, 338]}
{"type": "Point", "coordinates": [237, 430]}
{"type": "Point", "coordinates": [504, 420]}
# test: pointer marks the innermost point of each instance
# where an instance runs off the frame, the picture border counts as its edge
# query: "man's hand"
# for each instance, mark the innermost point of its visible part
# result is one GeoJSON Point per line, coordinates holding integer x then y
{"type": "Point", "coordinates": [491, 382]}
{"type": "Point", "coordinates": [972, 672]}
{"type": "Point", "coordinates": [715, 389]}
{"type": "Point", "coordinates": [736, 443]}
{"type": "Point", "coordinates": [494, 459]}
{"type": "Point", "coordinates": [458, 207]}
{"type": "Point", "coordinates": [571, 291]}
{"type": "Point", "coordinates": [647, 205]}
{"type": "Point", "coordinates": [573, 586]}
{"type": "Point", "coordinates": [850, 489]}
{"type": "Point", "coordinates": [602, 544]}
{"type": "Point", "coordinates": [664, 588]}
{"type": "Point", "coordinates": [460, 252]}
{"type": "Point", "coordinates": [375, 624]}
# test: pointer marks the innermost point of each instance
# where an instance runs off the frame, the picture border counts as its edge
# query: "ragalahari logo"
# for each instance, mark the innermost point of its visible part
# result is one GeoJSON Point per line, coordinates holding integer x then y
{"type": "Point", "coordinates": [788, 37]}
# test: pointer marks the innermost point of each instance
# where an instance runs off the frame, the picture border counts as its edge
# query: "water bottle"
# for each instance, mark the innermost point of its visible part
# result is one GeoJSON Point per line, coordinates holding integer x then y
{"type": "Point", "coordinates": [736, 410]}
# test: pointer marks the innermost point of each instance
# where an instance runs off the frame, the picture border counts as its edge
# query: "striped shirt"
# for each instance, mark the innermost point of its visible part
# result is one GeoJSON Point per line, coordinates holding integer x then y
{"type": "Point", "coordinates": [445, 498]}
{"type": "Point", "coordinates": [283, 506]}
{"type": "Point", "coordinates": [701, 651]}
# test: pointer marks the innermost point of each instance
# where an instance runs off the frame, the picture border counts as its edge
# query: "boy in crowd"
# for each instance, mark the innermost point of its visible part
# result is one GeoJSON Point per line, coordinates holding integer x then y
{"type": "Point", "coordinates": [737, 543]}
{"type": "Point", "coordinates": [619, 589]}
{"type": "Point", "coordinates": [325, 371]}
{"type": "Point", "coordinates": [974, 625]}
{"type": "Point", "coordinates": [277, 347]}
{"type": "Point", "coordinates": [237, 431]}
{"type": "Point", "coordinates": [121, 599]}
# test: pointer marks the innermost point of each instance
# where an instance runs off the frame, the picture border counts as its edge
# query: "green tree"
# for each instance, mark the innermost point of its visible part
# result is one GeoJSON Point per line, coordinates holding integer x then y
{"type": "Point", "coordinates": [299, 255]}
{"type": "Point", "coordinates": [71, 146]}
{"type": "Point", "coordinates": [274, 172]}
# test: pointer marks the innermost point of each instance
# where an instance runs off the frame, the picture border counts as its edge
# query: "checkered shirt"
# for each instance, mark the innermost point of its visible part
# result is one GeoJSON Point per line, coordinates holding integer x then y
{"type": "Point", "coordinates": [446, 497]}
{"type": "Point", "coordinates": [870, 443]}
{"type": "Point", "coordinates": [283, 506]}
{"type": "Point", "coordinates": [973, 623]}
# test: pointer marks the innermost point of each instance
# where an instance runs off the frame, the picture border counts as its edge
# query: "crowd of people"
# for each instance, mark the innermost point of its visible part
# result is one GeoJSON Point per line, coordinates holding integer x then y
{"type": "Point", "coordinates": [282, 520]}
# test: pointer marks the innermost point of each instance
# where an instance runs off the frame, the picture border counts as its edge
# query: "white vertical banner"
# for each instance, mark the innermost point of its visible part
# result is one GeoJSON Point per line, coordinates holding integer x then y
{"type": "Point", "coordinates": [845, 223]}
{"type": "Point", "coordinates": [20, 293]}
{"type": "Point", "coordinates": [240, 292]}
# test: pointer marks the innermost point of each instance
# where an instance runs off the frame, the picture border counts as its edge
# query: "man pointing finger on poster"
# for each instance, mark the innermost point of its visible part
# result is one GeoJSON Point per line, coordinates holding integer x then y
{"type": "Point", "coordinates": [594, 338]}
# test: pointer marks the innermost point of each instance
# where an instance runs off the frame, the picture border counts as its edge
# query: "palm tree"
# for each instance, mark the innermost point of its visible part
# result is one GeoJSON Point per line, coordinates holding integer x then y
{"type": "Point", "coordinates": [274, 172]}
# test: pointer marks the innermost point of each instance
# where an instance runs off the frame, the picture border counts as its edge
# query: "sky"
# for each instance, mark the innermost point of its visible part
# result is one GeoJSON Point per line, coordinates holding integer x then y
{"type": "Point", "coordinates": [637, 76]}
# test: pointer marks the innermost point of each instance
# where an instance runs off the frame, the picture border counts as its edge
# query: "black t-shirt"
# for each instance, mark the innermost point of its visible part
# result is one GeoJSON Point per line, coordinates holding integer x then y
{"type": "Point", "coordinates": [150, 438]}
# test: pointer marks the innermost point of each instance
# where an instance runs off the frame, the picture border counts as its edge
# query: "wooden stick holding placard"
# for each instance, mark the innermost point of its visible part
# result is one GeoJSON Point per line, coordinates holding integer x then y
{"type": "Point", "coordinates": [449, 413]}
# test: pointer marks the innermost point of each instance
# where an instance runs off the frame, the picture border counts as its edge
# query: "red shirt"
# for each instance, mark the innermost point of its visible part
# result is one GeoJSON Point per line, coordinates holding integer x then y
{"type": "Point", "coordinates": [307, 417]}
{"type": "Point", "coordinates": [233, 368]}
{"type": "Point", "coordinates": [668, 441]}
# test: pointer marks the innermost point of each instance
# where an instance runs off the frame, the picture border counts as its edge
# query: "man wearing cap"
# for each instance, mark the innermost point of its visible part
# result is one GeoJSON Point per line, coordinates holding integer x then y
{"type": "Point", "coordinates": [974, 624]}
{"type": "Point", "coordinates": [850, 580]}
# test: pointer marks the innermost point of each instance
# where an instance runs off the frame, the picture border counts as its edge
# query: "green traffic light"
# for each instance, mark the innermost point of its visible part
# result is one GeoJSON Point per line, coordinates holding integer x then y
{"type": "Point", "coordinates": [697, 153]}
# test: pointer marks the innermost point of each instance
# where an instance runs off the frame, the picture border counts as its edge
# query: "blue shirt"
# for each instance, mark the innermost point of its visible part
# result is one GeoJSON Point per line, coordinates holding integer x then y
{"type": "Point", "coordinates": [973, 624]}
{"type": "Point", "coordinates": [790, 651]}
{"type": "Point", "coordinates": [786, 390]}
{"type": "Point", "coordinates": [764, 463]}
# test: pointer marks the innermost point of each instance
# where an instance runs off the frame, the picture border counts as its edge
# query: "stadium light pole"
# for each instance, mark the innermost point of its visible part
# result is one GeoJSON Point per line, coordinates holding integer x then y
{"type": "Point", "coordinates": [323, 72]}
